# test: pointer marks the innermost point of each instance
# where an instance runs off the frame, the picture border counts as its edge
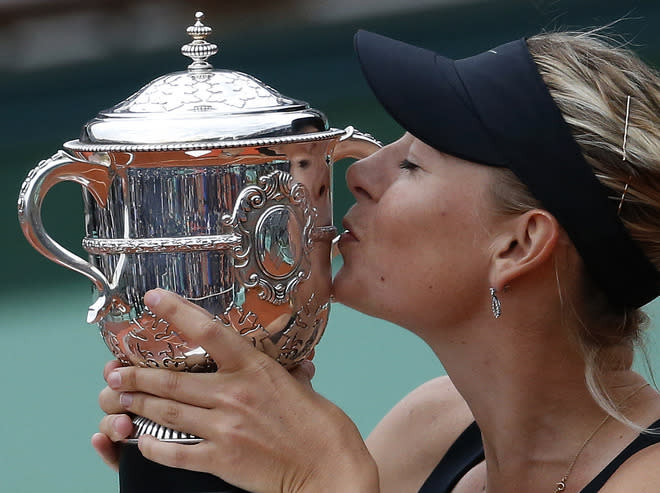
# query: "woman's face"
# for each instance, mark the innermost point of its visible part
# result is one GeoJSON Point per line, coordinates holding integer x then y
{"type": "Point", "coordinates": [417, 253]}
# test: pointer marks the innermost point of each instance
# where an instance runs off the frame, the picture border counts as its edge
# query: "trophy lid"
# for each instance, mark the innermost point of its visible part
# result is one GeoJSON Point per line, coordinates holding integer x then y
{"type": "Point", "coordinates": [201, 108]}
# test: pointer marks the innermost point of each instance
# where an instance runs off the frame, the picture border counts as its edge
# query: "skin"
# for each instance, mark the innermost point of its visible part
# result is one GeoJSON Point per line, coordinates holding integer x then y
{"type": "Point", "coordinates": [242, 429]}
{"type": "Point", "coordinates": [520, 376]}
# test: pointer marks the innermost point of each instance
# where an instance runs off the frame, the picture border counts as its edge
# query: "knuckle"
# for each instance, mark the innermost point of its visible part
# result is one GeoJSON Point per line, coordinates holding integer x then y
{"type": "Point", "coordinates": [128, 377]}
{"type": "Point", "coordinates": [264, 364]}
{"type": "Point", "coordinates": [170, 414]}
{"type": "Point", "coordinates": [232, 456]}
{"type": "Point", "coordinates": [265, 369]}
{"type": "Point", "coordinates": [180, 458]}
{"type": "Point", "coordinates": [208, 330]}
{"type": "Point", "coordinates": [172, 382]}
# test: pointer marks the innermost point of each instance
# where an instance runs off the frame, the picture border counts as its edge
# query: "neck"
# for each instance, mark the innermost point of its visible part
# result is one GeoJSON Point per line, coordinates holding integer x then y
{"type": "Point", "coordinates": [525, 386]}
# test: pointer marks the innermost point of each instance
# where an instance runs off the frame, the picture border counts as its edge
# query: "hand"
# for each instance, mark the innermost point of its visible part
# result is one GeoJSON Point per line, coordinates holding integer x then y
{"type": "Point", "coordinates": [117, 426]}
{"type": "Point", "coordinates": [263, 428]}
{"type": "Point", "coordinates": [114, 427]}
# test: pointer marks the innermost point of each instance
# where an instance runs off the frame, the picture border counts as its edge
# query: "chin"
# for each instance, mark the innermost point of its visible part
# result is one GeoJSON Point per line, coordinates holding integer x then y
{"type": "Point", "coordinates": [338, 283]}
{"type": "Point", "coordinates": [353, 292]}
{"type": "Point", "coordinates": [346, 290]}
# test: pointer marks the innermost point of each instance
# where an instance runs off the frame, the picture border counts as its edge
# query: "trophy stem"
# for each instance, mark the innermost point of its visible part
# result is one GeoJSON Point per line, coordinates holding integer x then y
{"type": "Point", "coordinates": [140, 475]}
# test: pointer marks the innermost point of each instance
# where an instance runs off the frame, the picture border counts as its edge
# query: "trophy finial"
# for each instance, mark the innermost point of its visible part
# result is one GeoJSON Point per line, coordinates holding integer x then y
{"type": "Point", "coordinates": [199, 49]}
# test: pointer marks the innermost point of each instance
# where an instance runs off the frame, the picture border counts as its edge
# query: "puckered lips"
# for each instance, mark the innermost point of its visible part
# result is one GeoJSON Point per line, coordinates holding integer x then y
{"type": "Point", "coordinates": [348, 235]}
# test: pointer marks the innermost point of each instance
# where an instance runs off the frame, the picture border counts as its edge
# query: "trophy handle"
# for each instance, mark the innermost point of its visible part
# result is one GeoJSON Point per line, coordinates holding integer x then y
{"type": "Point", "coordinates": [63, 167]}
{"type": "Point", "coordinates": [355, 144]}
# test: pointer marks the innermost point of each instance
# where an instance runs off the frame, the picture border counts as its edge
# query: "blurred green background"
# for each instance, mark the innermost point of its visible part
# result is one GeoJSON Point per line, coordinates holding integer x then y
{"type": "Point", "coordinates": [63, 61]}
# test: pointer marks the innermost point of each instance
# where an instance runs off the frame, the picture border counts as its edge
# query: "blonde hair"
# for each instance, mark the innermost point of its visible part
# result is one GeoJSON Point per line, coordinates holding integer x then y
{"type": "Point", "coordinates": [606, 94]}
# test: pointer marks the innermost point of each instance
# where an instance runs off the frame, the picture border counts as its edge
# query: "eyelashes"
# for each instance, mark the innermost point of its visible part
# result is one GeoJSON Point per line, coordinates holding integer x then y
{"type": "Point", "coordinates": [408, 165]}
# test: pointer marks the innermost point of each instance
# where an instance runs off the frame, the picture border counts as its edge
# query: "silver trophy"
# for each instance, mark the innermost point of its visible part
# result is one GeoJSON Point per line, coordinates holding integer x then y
{"type": "Point", "coordinates": [210, 184]}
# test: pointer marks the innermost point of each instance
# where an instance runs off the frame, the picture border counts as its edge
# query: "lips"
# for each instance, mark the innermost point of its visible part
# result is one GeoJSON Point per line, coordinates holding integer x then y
{"type": "Point", "coordinates": [348, 234]}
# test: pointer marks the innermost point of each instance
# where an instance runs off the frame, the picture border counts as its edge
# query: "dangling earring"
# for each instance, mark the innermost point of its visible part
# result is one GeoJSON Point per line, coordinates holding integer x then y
{"type": "Point", "coordinates": [495, 304]}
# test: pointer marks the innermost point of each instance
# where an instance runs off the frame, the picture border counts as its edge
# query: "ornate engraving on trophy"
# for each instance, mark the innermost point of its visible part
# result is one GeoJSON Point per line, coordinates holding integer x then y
{"type": "Point", "coordinates": [28, 181]}
{"type": "Point", "coordinates": [59, 167]}
{"type": "Point", "coordinates": [112, 342]}
{"type": "Point", "coordinates": [149, 341]}
{"type": "Point", "coordinates": [246, 324]}
{"type": "Point", "coordinates": [157, 345]}
{"type": "Point", "coordinates": [302, 334]}
{"type": "Point", "coordinates": [220, 91]}
{"type": "Point", "coordinates": [99, 246]}
{"type": "Point", "coordinates": [279, 211]}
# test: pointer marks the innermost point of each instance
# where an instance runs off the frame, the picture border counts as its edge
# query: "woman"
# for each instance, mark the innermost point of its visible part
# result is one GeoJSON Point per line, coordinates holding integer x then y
{"type": "Point", "coordinates": [515, 227]}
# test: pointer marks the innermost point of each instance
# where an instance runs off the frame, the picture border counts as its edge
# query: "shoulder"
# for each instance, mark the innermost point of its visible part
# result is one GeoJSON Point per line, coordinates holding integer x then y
{"type": "Point", "coordinates": [412, 438]}
{"type": "Point", "coordinates": [640, 473]}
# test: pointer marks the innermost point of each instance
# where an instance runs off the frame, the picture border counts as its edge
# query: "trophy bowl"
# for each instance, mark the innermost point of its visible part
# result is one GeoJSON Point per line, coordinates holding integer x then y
{"type": "Point", "coordinates": [215, 186]}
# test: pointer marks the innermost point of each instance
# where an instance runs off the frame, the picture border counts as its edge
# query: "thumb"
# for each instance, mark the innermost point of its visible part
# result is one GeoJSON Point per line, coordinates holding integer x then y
{"type": "Point", "coordinates": [227, 347]}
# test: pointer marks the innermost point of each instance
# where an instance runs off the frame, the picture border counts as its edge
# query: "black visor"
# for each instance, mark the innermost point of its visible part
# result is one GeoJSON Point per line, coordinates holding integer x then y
{"type": "Point", "coordinates": [494, 109]}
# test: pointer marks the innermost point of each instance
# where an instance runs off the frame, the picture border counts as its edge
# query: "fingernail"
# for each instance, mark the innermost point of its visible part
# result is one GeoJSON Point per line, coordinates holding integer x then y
{"type": "Point", "coordinates": [114, 379]}
{"type": "Point", "coordinates": [126, 399]}
{"type": "Point", "coordinates": [152, 298]}
{"type": "Point", "coordinates": [116, 424]}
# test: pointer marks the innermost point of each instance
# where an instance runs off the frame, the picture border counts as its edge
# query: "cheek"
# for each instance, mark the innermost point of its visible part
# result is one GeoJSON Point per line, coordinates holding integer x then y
{"type": "Point", "coordinates": [391, 262]}
{"type": "Point", "coordinates": [411, 225]}
{"type": "Point", "coordinates": [429, 251]}
{"type": "Point", "coordinates": [420, 249]}
{"type": "Point", "coordinates": [369, 277]}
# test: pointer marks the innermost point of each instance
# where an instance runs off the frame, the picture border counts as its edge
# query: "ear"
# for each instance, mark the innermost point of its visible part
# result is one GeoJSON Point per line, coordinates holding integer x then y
{"type": "Point", "coordinates": [526, 244]}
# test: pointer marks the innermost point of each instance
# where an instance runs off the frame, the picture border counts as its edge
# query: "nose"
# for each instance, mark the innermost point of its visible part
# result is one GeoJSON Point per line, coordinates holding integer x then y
{"type": "Point", "coordinates": [368, 178]}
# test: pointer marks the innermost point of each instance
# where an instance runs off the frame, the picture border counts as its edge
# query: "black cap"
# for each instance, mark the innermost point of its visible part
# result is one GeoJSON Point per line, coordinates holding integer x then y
{"type": "Point", "coordinates": [495, 109]}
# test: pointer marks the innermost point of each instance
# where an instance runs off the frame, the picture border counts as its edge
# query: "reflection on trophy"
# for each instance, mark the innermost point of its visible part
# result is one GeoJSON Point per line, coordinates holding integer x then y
{"type": "Point", "coordinates": [215, 186]}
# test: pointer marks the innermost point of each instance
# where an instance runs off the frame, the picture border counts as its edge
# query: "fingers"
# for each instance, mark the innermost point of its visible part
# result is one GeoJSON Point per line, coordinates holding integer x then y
{"type": "Point", "coordinates": [192, 388]}
{"type": "Point", "coordinates": [182, 456]}
{"type": "Point", "coordinates": [113, 427]}
{"type": "Point", "coordinates": [165, 412]}
{"type": "Point", "coordinates": [230, 351]}
{"type": "Point", "coordinates": [116, 427]}
{"type": "Point", "coordinates": [108, 450]}
{"type": "Point", "coordinates": [109, 401]}
{"type": "Point", "coordinates": [109, 367]}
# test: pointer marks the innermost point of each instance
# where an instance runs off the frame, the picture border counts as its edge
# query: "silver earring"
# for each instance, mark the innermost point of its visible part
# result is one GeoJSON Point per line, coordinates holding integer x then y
{"type": "Point", "coordinates": [495, 304]}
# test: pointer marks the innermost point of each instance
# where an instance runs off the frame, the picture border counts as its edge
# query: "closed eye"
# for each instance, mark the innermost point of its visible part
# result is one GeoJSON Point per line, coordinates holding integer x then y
{"type": "Point", "coordinates": [408, 165]}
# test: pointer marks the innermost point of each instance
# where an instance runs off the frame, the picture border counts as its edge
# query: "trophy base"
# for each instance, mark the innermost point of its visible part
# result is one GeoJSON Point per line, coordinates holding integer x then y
{"type": "Point", "coordinates": [140, 475]}
{"type": "Point", "coordinates": [145, 426]}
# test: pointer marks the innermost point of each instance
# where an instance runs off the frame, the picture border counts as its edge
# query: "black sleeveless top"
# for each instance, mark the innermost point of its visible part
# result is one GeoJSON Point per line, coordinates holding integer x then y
{"type": "Point", "coordinates": [468, 451]}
